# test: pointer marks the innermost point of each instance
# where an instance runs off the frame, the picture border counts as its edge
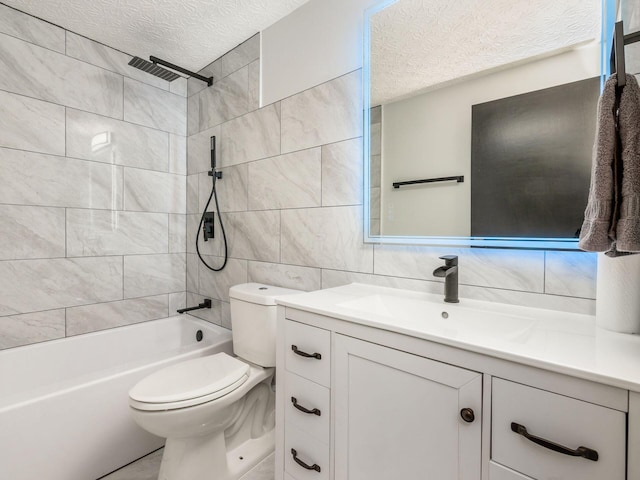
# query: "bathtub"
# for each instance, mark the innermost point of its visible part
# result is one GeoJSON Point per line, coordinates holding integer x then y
{"type": "Point", "coordinates": [64, 411]}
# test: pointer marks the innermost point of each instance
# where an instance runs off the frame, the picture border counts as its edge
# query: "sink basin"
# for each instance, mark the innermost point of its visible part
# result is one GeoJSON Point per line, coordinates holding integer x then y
{"type": "Point", "coordinates": [452, 320]}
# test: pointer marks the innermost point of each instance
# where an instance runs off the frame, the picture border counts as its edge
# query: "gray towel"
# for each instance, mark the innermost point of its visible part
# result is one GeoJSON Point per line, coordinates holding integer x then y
{"type": "Point", "coordinates": [612, 217]}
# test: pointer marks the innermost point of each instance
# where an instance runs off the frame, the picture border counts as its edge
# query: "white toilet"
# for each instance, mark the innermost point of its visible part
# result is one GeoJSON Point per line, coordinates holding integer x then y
{"type": "Point", "coordinates": [217, 412]}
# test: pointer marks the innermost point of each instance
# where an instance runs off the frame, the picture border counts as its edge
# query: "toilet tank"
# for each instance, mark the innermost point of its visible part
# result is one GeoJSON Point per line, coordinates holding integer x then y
{"type": "Point", "coordinates": [253, 320]}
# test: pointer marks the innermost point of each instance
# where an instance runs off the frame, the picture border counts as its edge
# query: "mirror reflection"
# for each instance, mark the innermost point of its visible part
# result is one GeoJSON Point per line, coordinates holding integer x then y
{"type": "Point", "coordinates": [482, 117]}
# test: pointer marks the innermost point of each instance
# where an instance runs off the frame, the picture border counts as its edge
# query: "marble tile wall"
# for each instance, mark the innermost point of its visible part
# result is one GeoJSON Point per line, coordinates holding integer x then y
{"type": "Point", "coordinates": [291, 198]}
{"type": "Point", "coordinates": [92, 186]}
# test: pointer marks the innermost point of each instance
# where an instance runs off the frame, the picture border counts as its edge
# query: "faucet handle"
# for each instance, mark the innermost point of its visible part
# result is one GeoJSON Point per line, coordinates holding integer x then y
{"type": "Point", "coordinates": [450, 260]}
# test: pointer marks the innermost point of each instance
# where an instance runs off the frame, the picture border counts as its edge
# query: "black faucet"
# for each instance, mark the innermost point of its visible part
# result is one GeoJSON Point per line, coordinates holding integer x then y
{"type": "Point", "coordinates": [205, 304]}
{"type": "Point", "coordinates": [450, 273]}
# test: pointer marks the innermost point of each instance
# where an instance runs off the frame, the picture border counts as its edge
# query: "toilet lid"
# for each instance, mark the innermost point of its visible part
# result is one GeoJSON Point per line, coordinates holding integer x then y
{"type": "Point", "coordinates": [191, 379]}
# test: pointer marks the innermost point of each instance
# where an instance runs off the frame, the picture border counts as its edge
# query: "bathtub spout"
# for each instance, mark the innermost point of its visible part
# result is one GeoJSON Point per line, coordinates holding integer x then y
{"type": "Point", "coordinates": [205, 304]}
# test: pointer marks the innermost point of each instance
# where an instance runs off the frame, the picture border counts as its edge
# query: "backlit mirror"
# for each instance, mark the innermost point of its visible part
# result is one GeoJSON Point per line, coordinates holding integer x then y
{"type": "Point", "coordinates": [480, 120]}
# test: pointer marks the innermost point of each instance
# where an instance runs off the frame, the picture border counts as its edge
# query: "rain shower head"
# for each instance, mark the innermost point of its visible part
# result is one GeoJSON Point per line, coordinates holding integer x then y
{"type": "Point", "coordinates": [153, 68]}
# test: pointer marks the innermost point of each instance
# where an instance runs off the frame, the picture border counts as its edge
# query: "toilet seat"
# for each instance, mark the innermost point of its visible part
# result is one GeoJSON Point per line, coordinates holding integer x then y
{"type": "Point", "coordinates": [189, 383]}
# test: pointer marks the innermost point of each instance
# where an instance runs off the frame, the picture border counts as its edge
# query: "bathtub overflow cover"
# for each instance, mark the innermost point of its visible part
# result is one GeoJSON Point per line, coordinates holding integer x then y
{"type": "Point", "coordinates": [445, 315]}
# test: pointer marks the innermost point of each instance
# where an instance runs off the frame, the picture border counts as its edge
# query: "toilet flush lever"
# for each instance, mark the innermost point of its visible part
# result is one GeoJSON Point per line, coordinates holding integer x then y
{"type": "Point", "coordinates": [317, 356]}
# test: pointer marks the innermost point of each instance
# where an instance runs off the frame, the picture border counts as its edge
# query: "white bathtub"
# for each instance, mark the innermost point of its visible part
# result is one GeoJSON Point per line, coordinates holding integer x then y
{"type": "Point", "coordinates": [64, 404]}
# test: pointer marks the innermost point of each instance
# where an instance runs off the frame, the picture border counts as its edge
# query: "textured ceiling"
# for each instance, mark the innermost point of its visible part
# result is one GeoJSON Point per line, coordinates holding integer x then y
{"type": "Point", "coordinates": [419, 44]}
{"type": "Point", "coordinates": [190, 33]}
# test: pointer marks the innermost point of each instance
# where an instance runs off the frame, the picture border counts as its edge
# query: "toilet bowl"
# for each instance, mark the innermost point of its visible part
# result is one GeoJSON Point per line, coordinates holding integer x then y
{"type": "Point", "coordinates": [217, 412]}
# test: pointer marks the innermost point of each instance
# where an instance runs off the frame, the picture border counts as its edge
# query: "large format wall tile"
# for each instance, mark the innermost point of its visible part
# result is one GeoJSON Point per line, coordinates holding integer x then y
{"type": "Point", "coordinates": [571, 274]}
{"type": "Point", "coordinates": [146, 275]}
{"type": "Point", "coordinates": [217, 284]}
{"type": "Point", "coordinates": [37, 72]}
{"type": "Point", "coordinates": [31, 29]}
{"type": "Point", "coordinates": [192, 272]}
{"type": "Point", "coordinates": [177, 233]}
{"type": "Point", "coordinates": [192, 193]}
{"type": "Point", "coordinates": [34, 179]}
{"type": "Point", "coordinates": [103, 139]}
{"type": "Point", "coordinates": [177, 154]}
{"type": "Point", "coordinates": [102, 56]}
{"type": "Point", "coordinates": [101, 316]}
{"type": "Point", "coordinates": [199, 150]}
{"type": "Point", "coordinates": [325, 237]}
{"type": "Point", "coordinates": [29, 328]}
{"type": "Point", "coordinates": [253, 235]}
{"type": "Point", "coordinates": [342, 173]}
{"type": "Point", "coordinates": [193, 114]}
{"type": "Point", "coordinates": [152, 107]}
{"type": "Point", "coordinates": [31, 232]}
{"type": "Point", "coordinates": [328, 113]}
{"type": "Point", "coordinates": [231, 189]}
{"type": "Point", "coordinates": [149, 191]}
{"type": "Point", "coordinates": [102, 232]}
{"type": "Point", "coordinates": [224, 100]}
{"type": "Point", "coordinates": [286, 181]}
{"type": "Point", "coordinates": [35, 285]}
{"type": "Point", "coordinates": [287, 276]}
{"type": "Point", "coordinates": [30, 124]}
{"type": "Point", "coordinates": [177, 300]}
{"type": "Point", "coordinates": [514, 270]}
{"type": "Point", "coordinates": [242, 55]}
{"type": "Point", "coordinates": [251, 137]}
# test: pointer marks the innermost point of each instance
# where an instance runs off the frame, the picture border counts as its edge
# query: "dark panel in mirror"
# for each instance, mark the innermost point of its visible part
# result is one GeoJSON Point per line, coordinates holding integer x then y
{"type": "Point", "coordinates": [531, 161]}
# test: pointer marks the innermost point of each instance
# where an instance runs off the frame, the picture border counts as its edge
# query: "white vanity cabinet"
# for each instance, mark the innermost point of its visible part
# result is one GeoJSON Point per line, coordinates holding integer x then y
{"type": "Point", "coordinates": [356, 402]}
{"type": "Point", "coordinates": [398, 415]}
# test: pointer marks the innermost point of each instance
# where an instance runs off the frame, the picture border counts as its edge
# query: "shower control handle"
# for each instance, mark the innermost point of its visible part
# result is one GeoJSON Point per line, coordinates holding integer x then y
{"type": "Point", "coordinates": [317, 356]}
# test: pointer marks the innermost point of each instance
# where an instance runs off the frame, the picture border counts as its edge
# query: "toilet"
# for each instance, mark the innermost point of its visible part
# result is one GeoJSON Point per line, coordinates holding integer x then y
{"type": "Point", "coordinates": [217, 412]}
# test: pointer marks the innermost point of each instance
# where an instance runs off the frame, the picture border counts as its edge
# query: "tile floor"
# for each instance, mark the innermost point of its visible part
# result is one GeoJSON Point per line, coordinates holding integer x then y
{"type": "Point", "coordinates": [147, 469]}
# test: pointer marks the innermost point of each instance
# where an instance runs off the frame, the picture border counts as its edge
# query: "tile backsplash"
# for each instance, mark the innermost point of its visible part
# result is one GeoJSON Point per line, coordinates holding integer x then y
{"type": "Point", "coordinates": [92, 186]}
{"type": "Point", "coordinates": [291, 197]}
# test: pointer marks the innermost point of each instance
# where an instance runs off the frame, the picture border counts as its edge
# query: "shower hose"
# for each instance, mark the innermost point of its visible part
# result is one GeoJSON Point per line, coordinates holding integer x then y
{"type": "Point", "coordinates": [213, 195]}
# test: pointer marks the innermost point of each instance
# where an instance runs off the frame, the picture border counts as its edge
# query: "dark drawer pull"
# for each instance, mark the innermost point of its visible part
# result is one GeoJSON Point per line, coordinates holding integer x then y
{"type": "Point", "coordinates": [315, 411]}
{"type": "Point", "coordinates": [315, 466]}
{"type": "Point", "coordinates": [317, 356]}
{"type": "Point", "coordinates": [583, 452]}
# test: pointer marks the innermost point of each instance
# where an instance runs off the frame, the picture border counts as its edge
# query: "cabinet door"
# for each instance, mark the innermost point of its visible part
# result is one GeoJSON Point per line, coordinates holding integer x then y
{"type": "Point", "coordinates": [398, 415]}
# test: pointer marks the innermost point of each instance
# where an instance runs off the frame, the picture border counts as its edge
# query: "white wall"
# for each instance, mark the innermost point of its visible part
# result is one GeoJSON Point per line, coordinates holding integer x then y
{"type": "Point", "coordinates": [430, 136]}
{"type": "Point", "coordinates": [316, 43]}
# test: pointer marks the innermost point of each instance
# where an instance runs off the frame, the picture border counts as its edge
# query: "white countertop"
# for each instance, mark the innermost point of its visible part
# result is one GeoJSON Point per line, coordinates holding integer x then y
{"type": "Point", "coordinates": [561, 342]}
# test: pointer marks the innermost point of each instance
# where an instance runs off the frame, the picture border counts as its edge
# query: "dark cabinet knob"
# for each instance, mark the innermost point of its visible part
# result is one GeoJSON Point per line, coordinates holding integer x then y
{"type": "Point", "coordinates": [467, 415]}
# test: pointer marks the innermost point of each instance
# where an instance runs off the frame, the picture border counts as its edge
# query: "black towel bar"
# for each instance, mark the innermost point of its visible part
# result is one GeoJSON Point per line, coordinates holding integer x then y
{"type": "Point", "coordinates": [458, 178]}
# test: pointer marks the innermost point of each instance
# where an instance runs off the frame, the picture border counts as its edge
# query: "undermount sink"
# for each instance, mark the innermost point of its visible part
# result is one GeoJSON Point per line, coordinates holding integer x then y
{"type": "Point", "coordinates": [454, 320]}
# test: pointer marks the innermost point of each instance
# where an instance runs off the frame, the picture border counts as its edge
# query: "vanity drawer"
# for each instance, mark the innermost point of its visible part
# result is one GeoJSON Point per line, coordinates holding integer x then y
{"type": "Point", "coordinates": [562, 420]}
{"type": "Point", "coordinates": [302, 394]}
{"type": "Point", "coordinates": [499, 472]}
{"type": "Point", "coordinates": [307, 351]}
{"type": "Point", "coordinates": [308, 451]}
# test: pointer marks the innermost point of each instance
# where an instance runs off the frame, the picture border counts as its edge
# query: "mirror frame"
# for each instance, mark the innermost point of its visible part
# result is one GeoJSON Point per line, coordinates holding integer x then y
{"type": "Point", "coordinates": [452, 241]}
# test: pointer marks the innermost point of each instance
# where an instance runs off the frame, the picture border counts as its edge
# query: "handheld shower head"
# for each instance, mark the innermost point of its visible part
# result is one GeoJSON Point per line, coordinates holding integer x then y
{"type": "Point", "coordinates": [213, 152]}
